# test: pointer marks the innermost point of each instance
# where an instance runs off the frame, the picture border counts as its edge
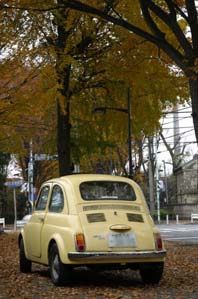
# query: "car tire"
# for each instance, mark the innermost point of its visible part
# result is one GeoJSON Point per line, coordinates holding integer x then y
{"type": "Point", "coordinates": [151, 273]}
{"type": "Point", "coordinates": [59, 272]}
{"type": "Point", "coordinates": [25, 264]}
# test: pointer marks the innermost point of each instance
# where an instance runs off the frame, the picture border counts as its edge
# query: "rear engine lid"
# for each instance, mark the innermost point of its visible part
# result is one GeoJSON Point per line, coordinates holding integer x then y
{"type": "Point", "coordinates": [121, 226]}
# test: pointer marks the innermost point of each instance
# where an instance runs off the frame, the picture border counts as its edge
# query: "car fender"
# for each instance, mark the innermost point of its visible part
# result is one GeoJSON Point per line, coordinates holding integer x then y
{"type": "Point", "coordinates": [20, 237]}
{"type": "Point", "coordinates": [65, 243]}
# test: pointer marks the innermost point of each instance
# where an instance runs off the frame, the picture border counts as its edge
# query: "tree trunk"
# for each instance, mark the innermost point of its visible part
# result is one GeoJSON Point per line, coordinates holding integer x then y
{"type": "Point", "coordinates": [63, 141]}
{"type": "Point", "coordinates": [63, 70]}
{"type": "Point", "coordinates": [63, 122]}
{"type": "Point", "coordinates": [194, 100]}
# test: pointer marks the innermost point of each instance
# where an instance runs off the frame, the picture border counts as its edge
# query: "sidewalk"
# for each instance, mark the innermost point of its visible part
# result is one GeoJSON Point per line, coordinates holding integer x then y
{"type": "Point", "coordinates": [9, 228]}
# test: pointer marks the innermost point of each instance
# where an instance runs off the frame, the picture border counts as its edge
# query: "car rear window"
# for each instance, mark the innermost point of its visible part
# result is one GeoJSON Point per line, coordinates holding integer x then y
{"type": "Point", "coordinates": [107, 190]}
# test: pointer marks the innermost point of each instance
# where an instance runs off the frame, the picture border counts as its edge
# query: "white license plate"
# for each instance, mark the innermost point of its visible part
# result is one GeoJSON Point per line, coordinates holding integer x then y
{"type": "Point", "coordinates": [122, 240]}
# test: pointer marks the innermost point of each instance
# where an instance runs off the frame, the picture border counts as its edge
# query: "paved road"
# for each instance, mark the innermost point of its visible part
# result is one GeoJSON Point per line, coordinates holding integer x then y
{"type": "Point", "coordinates": [183, 233]}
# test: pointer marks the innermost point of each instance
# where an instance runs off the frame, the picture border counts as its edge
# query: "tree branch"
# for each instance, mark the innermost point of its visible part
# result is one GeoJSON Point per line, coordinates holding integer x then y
{"type": "Point", "coordinates": [171, 22]}
{"type": "Point", "coordinates": [193, 22]}
{"type": "Point", "coordinates": [149, 20]}
{"type": "Point", "coordinates": [172, 52]}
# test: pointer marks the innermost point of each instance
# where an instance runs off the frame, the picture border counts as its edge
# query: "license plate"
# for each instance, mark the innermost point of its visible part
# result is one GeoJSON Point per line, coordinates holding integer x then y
{"type": "Point", "coordinates": [122, 240]}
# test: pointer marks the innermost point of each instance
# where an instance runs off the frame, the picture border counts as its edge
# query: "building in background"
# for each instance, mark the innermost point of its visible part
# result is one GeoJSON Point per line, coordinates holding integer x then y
{"type": "Point", "coordinates": [187, 188]}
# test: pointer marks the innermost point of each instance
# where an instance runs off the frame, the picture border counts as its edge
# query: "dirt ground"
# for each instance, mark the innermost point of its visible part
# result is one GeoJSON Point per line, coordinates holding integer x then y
{"type": "Point", "coordinates": [180, 278]}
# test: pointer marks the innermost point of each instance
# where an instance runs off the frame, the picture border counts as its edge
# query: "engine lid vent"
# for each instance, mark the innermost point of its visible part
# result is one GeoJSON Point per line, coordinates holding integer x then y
{"type": "Point", "coordinates": [96, 217]}
{"type": "Point", "coordinates": [135, 217]}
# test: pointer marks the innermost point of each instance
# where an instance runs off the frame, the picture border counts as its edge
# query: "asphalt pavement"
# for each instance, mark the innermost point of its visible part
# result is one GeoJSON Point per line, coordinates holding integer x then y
{"type": "Point", "coordinates": [186, 234]}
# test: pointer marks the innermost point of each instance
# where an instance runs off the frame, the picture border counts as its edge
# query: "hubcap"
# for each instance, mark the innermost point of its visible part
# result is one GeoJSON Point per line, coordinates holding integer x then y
{"type": "Point", "coordinates": [56, 267]}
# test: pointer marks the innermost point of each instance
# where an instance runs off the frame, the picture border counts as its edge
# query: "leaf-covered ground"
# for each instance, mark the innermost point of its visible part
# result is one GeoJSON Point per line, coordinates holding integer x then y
{"type": "Point", "coordinates": [180, 278]}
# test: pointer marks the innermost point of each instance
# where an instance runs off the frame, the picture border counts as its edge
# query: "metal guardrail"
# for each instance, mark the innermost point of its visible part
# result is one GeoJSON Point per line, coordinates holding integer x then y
{"type": "Point", "coordinates": [194, 216]}
{"type": "Point", "coordinates": [2, 221]}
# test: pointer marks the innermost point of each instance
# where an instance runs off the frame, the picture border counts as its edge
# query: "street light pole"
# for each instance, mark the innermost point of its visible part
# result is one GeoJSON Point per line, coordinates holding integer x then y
{"type": "Point", "coordinates": [102, 110]}
{"type": "Point", "coordinates": [129, 133]}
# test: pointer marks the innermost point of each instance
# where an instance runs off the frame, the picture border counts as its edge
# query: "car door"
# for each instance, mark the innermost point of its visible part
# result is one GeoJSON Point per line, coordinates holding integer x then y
{"type": "Point", "coordinates": [35, 226]}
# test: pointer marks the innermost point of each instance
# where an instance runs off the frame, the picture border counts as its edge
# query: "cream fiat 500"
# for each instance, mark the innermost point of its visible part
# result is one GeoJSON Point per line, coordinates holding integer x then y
{"type": "Point", "coordinates": [98, 221]}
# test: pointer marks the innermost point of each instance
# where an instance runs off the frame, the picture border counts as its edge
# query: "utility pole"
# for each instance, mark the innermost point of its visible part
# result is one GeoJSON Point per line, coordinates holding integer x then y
{"type": "Point", "coordinates": [177, 146]}
{"type": "Point", "coordinates": [157, 183]}
{"type": "Point", "coordinates": [166, 183]}
{"type": "Point", "coordinates": [176, 133]}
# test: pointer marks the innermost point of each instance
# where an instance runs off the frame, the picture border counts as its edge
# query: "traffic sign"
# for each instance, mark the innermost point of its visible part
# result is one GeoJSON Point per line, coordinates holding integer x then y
{"type": "Point", "coordinates": [45, 157]}
{"type": "Point", "coordinates": [13, 184]}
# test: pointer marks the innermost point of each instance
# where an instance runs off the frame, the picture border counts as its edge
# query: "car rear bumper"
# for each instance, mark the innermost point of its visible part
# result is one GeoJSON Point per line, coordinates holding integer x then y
{"type": "Point", "coordinates": [89, 256]}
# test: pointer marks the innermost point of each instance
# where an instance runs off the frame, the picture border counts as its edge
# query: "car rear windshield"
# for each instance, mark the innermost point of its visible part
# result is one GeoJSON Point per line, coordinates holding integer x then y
{"type": "Point", "coordinates": [107, 190]}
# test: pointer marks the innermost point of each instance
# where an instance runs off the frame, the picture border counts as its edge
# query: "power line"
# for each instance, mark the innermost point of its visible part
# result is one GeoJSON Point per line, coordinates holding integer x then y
{"type": "Point", "coordinates": [170, 122]}
{"type": "Point", "coordinates": [181, 142]}
{"type": "Point", "coordinates": [191, 127]}
{"type": "Point", "coordinates": [179, 134]}
{"type": "Point", "coordinates": [178, 110]}
{"type": "Point", "coordinates": [179, 116]}
{"type": "Point", "coordinates": [172, 143]}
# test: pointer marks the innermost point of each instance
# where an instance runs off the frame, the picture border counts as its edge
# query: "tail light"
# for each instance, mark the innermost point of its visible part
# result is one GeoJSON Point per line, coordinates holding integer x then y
{"type": "Point", "coordinates": [158, 241]}
{"type": "Point", "coordinates": [80, 242]}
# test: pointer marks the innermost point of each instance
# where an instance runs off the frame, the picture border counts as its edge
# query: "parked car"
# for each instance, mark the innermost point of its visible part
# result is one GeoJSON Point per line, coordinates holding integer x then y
{"type": "Point", "coordinates": [23, 221]}
{"type": "Point", "coordinates": [26, 218]}
{"type": "Point", "coordinates": [98, 221]}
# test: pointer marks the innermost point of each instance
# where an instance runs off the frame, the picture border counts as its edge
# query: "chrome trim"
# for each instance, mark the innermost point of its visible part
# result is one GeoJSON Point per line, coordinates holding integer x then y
{"type": "Point", "coordinates": [129, 207]}
{"type": "Point", "coordinates": [116, 255]}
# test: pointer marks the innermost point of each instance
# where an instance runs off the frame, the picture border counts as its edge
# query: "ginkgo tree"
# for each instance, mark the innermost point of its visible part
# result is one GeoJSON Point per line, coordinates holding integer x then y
{"type": "Point", "coordinates": [170, 25]}
{"type": "Point", "coordinates": [74, 63]}
{"type": "Point", "coordinates": [58, 39]}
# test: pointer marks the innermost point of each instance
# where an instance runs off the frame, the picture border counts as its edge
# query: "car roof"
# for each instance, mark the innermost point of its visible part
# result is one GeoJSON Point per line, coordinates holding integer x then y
{"type": "Point", "coordinates": [78, 178]}
{"type": "Point", "coordinates": [73, 181]}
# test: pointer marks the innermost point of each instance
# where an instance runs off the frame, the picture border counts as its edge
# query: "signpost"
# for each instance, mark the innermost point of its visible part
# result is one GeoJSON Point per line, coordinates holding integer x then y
{"type": "Point", "coordinates": [14, 185]}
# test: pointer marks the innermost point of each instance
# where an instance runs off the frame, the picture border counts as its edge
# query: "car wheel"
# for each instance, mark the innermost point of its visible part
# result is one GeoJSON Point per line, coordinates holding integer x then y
{"type": "Point", "coordinates": [25, 264]}
{"type": "Point", "coordinates": [59, 272]}
{"type": "Point", "coordinates": [151, 273]}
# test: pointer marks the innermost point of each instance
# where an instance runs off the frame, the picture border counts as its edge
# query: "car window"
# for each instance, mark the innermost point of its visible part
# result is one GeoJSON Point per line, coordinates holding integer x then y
{"type": "Point", "coordinates": [57, 200]}
{"type": "Point", "coordinates": [42, 200]}
{"type": "Point", "coordinates": [107, 190]}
